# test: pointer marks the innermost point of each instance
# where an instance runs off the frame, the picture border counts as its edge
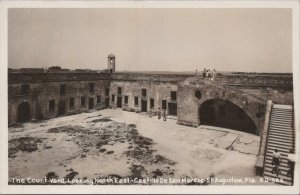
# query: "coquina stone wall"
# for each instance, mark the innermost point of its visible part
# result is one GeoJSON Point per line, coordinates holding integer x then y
{"type": "Point", "coordinates": [158, 91]}
{"type": "Point", "coordinates": [190, 103]}
{"type": "Point", "coordinates": [45, 87]}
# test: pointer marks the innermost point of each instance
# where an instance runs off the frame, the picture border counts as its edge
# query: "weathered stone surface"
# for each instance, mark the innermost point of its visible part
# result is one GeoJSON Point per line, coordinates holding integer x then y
{"type": "Point", "coordinates": [245, 91]}
{"type": "Point", "coordinates": [189, 104]}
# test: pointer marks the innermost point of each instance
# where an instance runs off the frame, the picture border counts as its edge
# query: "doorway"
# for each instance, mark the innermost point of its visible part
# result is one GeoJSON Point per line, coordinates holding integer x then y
{"type": "Point", "coordinates": [107, 102]}
{"type": "Point", "coordinates": [91, 103]}
{"type": "Point", "coordinates": [23, 112]}
{"type": "Point", "coordinates": [119, 102]}
{"type": "Point", "coordinates": [144, 106]}
{"type": "Point", "coordinates": [61, 107]}
{"type": "Point", "coordinates": [172, 109]}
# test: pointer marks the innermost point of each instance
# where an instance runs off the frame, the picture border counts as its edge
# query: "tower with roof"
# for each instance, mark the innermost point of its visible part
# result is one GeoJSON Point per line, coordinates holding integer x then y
{"type": "Point", "coordinates": [111, 63]}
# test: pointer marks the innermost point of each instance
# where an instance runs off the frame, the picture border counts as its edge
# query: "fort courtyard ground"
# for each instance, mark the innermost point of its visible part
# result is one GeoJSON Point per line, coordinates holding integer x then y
{"type": "Point", "coordinates": [122, 144]}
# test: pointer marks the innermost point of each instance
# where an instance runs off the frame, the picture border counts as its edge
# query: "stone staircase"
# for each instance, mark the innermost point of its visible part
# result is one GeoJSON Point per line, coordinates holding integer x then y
{"type": "Point", "coordinates": [281, 136]}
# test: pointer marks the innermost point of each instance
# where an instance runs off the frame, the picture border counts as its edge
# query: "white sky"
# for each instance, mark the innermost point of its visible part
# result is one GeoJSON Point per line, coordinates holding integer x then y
{"type": "Point", "coordinates": [152, 39]}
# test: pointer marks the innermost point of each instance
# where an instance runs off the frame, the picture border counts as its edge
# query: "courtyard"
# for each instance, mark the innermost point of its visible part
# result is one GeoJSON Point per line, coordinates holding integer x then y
{"type": "Point", "coordinates": [113, 143]}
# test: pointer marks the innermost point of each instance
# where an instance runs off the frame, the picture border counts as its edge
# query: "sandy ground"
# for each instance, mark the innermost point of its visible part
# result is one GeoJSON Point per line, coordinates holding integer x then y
{"type": "Point", "coordinates": [115, 143]}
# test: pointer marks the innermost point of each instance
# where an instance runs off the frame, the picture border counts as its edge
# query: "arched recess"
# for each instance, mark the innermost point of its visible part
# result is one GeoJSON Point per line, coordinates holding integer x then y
{"type": "Point", "coordinates": [23, 112]}
{"type": "Point", "coordinates": [223, 113]}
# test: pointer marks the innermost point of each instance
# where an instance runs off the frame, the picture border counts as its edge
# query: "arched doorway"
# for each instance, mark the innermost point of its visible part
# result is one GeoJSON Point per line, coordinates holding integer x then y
{"type": "Point", "coordinates": [222, 113]}
{"type": "Point", "coordinates": [23, 112]}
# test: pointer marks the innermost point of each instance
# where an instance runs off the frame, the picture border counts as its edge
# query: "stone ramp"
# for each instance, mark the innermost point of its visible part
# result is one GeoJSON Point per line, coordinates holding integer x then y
{"type": "Point", "coordinates": [282, 137]}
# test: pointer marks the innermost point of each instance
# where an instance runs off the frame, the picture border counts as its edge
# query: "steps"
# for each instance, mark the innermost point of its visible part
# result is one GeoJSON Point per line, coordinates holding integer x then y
{"type": "Point", "coordinates": [281, 136]}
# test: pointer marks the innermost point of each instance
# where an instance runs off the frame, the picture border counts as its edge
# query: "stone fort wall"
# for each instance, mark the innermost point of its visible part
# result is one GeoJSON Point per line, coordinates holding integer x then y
{"type": "Point", "coordinates": [46, 101]}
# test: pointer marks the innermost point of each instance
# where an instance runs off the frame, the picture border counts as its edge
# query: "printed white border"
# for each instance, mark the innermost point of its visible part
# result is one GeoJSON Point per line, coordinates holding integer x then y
{"type": "Point", "coordinates": [218, 189]}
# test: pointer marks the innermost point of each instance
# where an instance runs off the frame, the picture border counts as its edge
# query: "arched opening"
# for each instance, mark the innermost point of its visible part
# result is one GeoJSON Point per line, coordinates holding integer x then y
{"type": "Point", "coordinates": [23, 112]}
{"type": "Point", "coordinates": [221, 113]}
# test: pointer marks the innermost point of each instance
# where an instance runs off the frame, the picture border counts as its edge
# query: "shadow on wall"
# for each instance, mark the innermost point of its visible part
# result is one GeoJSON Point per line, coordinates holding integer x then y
{"type": "Point", "coordinates": [23, 112]}
{"type": "Point", "coordinates": [222, 113]}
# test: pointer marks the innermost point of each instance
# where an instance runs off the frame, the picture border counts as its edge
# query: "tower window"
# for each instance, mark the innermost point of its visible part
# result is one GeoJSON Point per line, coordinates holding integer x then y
{"type": "Point", "coordinates": [98, 99]}
{"type": "Point", "coordinates": [62, 90]}
{"type": "Point", "coordinates": [91, 87]}
{"type": "Point", "coordinates": [72, 102]}
{"type": "Point", "coordinates": [173, 95]}
{"type": "Point", "coordinates": [51, 105]}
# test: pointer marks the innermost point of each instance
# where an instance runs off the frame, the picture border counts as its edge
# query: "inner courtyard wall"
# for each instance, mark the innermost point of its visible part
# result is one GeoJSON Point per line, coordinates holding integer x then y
{"type": "Point", "coordinates": [190, 103]}
{"type": "Point", "coordinates": [45, 87]}
{"type": "Point", "coordinates": [157, 91]}
{"type": "Point", "coordinates": [73, 89]}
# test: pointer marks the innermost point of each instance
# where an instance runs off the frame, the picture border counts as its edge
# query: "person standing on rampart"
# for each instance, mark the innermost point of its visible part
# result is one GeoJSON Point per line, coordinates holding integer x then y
{"type": "Point", "coordinates": [213, 75]}
{"type": "Point", "coordinates": [208, 74]}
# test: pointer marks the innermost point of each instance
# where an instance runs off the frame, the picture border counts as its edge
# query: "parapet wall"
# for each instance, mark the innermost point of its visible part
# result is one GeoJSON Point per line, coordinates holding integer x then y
{"type": "Point", "coordinates": [55, 77]}
{"type": "Point", "coordinates": [172, 78]}
{"type": "Point", "coordinates": [250, 80]}
{"type": "Point", "coordinates": [278, 87]}
{"type": "Point", "coordinates": [284, 81]}
{"type": "Point", "coordinates": [43, 87]}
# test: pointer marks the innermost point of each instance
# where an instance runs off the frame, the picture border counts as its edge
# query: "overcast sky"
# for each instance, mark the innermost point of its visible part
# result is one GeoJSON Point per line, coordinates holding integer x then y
{"type": "Point", "coordinates": [152, 39]}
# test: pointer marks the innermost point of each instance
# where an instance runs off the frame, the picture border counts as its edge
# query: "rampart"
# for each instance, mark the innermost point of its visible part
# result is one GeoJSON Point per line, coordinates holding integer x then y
{"type": "Point", "coordinates": [83, 91]}
{"type": "Point", "coordinates": [239, 80]}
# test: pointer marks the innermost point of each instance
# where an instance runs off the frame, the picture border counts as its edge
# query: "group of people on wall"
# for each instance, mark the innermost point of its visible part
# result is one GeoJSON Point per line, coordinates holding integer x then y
{"type": "Point", "coordinates": [207, 73]}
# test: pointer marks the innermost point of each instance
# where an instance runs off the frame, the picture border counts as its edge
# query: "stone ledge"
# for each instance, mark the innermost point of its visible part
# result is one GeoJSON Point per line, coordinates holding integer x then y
{"type": "Point", "coordinates": [187, 123]}
{"type": "Point", "coordinates": [259, 165]}
{"type": "Point", "coordinates": [289, 107]}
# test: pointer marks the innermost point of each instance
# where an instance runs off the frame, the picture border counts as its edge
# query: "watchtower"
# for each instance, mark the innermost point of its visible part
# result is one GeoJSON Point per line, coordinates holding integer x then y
{"type": "Point", "coordinates": [111, 63]}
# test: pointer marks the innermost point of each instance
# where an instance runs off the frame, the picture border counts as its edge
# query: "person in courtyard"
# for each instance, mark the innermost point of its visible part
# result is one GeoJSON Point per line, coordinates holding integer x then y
{"type": "Point", "coordinates": [276, 162]}
{"type": "Point", "coordinates": [291, 163]}
{"type": "Point", "coordinates": [150, 112]}
{"type": "Point", "coordinates": [196, 73]}
{"type": "Point", "coordinates": [164, 114]}
{"type": "Point", "coordinates": [159, 113]}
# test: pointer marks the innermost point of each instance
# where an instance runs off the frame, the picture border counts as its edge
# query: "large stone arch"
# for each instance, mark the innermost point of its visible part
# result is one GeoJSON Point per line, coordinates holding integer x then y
{"type": "Point", "coordinates": [189, 101]}
{"type": "Point", "coordinates": [224, 113]}
{"type": "Point", "coordinates": [18, 107]}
